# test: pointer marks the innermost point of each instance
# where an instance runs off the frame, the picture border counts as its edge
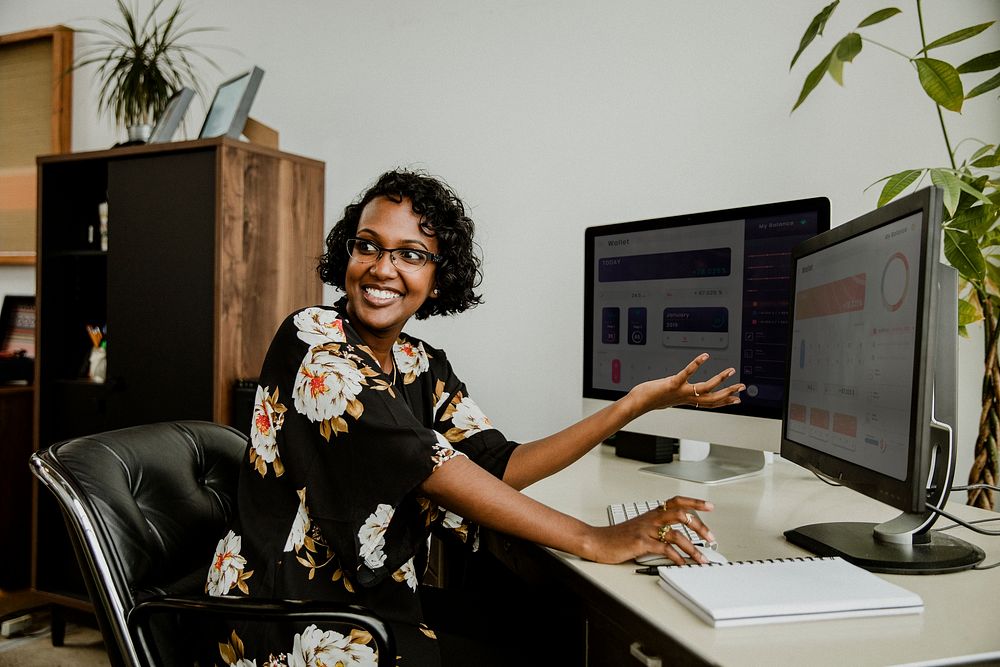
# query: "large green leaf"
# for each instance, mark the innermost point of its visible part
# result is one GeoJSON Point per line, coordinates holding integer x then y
{"type": "Point", "coordinates": [973, 197]}
{"type": "Point", "coordinates": [879, 16]}
{"type": "Point", "coordinates": [987, 162]}
{"type": "Point", "coordinates": [957, 36]}
{"type": "Point", "coordinates": [896, 184]}
{"type": "Point", "coordinates": [984, 87]}
{"type": "Point", "coordinates": [976, 191]}
{"type": "Point", "coordinates": [848, 47]}
{"type": "Point", "coordinates": [972, 221]}
{"type": "Point", "coordinates": [982, 63]}
{"type": "Point", "coordinates": [836, 69]}
{"type": "Point", "coordinates": [964, 254]}
{"type": "Point", "coordinates": [983, 150]}
{"type": "Point", "coordinates": [812, 80]}
{"type": "Point", "coordinates": [815, 28]}
{"type": "Point", "coordinates": [949, 183]}
{"type": "Point", "coordinates": [967, 313]}
{"type": "Point", "coordinates": [941, 82]}
{"type": "Point", "coordinates": [844, 52]}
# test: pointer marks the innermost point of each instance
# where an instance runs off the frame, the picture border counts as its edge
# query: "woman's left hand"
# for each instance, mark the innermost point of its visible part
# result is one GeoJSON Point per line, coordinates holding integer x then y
{"type": "Point", "coordinates": [677, 390]}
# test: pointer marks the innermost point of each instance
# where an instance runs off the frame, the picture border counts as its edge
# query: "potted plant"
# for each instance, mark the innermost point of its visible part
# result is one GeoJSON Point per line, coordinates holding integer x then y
{"type": "Point", "coordinates": [141, 64]}
{"type": "Point", "coordinates": [971, 195]}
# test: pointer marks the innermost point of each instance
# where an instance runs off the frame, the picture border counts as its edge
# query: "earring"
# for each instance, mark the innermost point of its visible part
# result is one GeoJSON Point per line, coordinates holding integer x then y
{"type": "Point", "coordinates": [435, 292]}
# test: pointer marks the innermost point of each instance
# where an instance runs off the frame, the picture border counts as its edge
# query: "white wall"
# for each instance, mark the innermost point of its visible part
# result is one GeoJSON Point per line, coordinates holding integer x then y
{"type": "Point", "coordinates": [551, 115]}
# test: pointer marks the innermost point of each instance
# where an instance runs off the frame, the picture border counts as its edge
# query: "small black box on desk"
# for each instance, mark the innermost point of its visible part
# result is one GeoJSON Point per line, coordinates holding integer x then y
{"type": "Point", "coordinates": [644, 447]}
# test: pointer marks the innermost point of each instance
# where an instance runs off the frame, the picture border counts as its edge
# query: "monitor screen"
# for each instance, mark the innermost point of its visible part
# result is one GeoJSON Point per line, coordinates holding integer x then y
{"type": "Point", "coordinates": [870, 395]}
{"type": "Point", "coordinates": [230, 107]}
{"type": "Point", "coordinates": [659, 292]}
{"type": "Point", "coordinates": [858, 352]}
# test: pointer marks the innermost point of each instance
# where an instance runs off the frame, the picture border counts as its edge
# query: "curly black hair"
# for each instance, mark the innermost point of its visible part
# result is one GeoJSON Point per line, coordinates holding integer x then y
{"type": "Point", "coordinates": [442, 215]}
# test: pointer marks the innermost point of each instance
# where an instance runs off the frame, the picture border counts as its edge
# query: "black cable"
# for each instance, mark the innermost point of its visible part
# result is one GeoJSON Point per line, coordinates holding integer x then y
{"type": "Point", "coordinates": [973, 487]}
{"type": "Point", "coordinates": [823, 478]}
{"type": "Point", "coordinates": [987, 567]}
{"type": "Point", "coordinates": [961, 522]}
{"type": "Point", "coordinates": [956, 525]}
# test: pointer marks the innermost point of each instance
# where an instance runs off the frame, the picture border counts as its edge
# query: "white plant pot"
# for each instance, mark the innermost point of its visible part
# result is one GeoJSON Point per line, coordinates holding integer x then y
{"type": "Point", "coordinates": [140, 132]}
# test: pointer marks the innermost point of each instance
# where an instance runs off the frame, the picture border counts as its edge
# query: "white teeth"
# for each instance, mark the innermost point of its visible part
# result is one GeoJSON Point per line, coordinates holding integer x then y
{"type": "Point", "coordinates": [381, 294]}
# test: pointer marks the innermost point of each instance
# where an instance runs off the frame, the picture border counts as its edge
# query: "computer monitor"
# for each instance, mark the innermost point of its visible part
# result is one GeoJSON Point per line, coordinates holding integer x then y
{"type": "Point", "coordinates": [870, 398]}
{"type": "Point", "coordinates": [659, 292]}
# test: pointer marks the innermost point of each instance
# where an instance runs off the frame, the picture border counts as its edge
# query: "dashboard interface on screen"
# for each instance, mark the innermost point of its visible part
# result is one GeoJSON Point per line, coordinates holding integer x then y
{"type": "Point", "coordinates": [854, 337]}
{"type": "Point", "coordinates": [662, 291]}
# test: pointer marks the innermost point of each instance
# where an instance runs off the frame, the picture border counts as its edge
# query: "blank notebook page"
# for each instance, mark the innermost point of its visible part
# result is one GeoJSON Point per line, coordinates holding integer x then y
{"type": "Point", "coordinates": [781, 590]}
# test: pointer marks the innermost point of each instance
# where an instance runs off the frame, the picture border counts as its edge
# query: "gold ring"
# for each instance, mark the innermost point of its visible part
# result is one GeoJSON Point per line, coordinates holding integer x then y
{"type": "Point", "coordinates": [687, 519]}
{"type": "Point", "coordinates": [661, 534]}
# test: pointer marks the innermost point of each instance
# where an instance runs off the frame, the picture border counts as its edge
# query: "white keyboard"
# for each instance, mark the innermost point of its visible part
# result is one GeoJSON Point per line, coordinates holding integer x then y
{"type": "Point", "coordinates": [619, 512]}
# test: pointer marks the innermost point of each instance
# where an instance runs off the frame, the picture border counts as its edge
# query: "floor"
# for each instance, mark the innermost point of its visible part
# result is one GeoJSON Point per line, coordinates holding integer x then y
{"type": "Point", "coordinates": [33, 648]}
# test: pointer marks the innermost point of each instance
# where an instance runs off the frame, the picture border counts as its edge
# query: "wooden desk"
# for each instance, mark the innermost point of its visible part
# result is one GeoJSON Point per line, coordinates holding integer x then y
{"type": "Point", "coordinates": [623, 608]}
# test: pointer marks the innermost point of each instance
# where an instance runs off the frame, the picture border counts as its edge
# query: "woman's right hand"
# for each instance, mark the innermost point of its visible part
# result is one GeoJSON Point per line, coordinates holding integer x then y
{"type": "Point", "coordinates": [650, 533]}
{"type": "Point", "coordinates": [677, 390]}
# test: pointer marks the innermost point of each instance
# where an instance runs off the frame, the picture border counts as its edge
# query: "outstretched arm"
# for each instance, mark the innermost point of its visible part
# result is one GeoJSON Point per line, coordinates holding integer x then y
{"type": "Point", "coordinates": [466, 489]}
{"type": "Point", "coordinates": [538, 459]}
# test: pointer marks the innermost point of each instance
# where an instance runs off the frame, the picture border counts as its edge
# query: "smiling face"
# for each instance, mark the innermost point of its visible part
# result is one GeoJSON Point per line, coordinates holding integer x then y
{"type": "Point", "coordinates": [381, 298]}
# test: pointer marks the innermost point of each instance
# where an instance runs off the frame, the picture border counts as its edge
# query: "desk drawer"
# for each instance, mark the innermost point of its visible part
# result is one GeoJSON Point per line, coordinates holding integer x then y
{"type": "Point", "coordinates": [619, 643]}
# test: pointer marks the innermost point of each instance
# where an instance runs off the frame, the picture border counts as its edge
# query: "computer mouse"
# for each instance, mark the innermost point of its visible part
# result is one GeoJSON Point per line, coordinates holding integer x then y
{"type": "Point", "coordinates": [654, 560]}
{"type": "Point", "coordinates": [712, 555]}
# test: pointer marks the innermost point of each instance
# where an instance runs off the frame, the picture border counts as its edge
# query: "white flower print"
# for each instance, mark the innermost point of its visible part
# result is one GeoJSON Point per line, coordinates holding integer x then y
{"type": "Point", "coordinates": [327, 385]}
{"type": "Point", "coordinates": [300, 525]}
{"type": "Point", "coordinates": [227, 568]}
{"type": "Point", "coordinates": [443, 451]}
{"type": "Point", "coordinates": [268, 418]}
{"type": "Point", "coordinates": [407, 573]}
{"type": "Point", "coordinates": [456, 525]}
{"type": "Point", "coordinates": [411, 360]}
{"type": "Point", "coordinates": [466, 417]}
{"type": "Point", "coordinates": [316, 648]}
{"type": "Point", "coordinates": [451, 521]}
{"type": "Point", "coordinates": [318, 326]}
{"type": "Point", "coordinates": [372, 536]}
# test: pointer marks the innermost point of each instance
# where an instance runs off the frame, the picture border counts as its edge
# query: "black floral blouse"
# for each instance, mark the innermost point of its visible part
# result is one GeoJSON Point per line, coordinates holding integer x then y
{"type": "Point", "coordinates": [329, 506]}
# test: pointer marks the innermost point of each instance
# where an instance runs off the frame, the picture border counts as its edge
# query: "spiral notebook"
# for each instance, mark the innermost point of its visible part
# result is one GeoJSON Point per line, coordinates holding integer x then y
{"type": "Point", "coordinates": [784, 589]}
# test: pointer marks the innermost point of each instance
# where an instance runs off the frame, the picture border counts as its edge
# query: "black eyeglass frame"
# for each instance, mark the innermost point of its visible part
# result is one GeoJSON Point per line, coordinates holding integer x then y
{"type": "Point", "coordinates": [403, 266]}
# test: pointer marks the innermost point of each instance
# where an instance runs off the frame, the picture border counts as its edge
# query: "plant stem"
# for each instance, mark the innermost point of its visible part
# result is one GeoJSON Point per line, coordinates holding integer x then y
{"type": "Point", "coordinates": [944, 130]}
{"type": "Point", "coordinates": [887, 48]}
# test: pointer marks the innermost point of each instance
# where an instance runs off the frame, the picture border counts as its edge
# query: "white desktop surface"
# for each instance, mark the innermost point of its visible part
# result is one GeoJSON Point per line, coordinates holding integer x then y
{"type": "Point", "coordinates": [961, 611]}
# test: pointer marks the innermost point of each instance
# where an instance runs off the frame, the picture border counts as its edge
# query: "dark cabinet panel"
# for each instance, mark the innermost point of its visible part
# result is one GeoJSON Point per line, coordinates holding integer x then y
{"type": "Point", "coordinates": [204, 248]}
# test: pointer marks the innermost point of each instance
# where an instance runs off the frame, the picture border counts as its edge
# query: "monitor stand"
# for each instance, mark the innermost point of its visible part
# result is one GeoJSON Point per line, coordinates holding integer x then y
{"type": "Point", "coordinates": [906, 544]}
{"type": "Point", "coordinates": [860, 543]}
{"type": "Point", "coordinates": [723, 464]}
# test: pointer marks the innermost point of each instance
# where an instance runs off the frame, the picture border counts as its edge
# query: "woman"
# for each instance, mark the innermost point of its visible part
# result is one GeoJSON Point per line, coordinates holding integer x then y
{"type": "Point", "coordinates": [363, 440]}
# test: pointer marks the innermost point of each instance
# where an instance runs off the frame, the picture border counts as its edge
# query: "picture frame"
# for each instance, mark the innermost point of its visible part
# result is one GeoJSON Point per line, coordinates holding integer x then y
{"type": "Point", "coordinates": [171, 117]}
{"type": "Point", "coordinates": [230, 106]}
{"type": "Point", "coordinates": [37, 99]}
{"type": "Point", "coordinates": [17, 325]}
{"type": "Point", "coordinates": [17, 340]}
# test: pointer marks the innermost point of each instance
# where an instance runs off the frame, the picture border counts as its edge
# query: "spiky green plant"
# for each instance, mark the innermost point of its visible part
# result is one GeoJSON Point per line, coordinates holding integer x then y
{"type": "Point", "coordinates": [971, 193]}
{"type": "Point", "coordinates": [141, 64]}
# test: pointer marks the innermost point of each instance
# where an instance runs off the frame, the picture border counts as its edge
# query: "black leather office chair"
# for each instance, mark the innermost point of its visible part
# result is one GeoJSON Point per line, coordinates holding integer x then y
{"type": "Point", "coordinates": [144, 507]}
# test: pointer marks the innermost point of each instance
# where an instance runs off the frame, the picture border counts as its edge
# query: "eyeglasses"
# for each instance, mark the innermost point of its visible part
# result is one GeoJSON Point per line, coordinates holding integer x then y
{"type": "Point", "coordinates": [364, 251]}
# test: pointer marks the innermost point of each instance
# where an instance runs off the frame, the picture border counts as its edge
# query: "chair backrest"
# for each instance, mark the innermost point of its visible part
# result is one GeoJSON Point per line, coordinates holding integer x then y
{"type": "Point", "coordinates": [144, 507]}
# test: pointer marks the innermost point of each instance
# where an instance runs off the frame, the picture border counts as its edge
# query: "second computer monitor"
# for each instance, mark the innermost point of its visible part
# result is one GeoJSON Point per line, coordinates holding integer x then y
{"type": "Point", "coordinates": [660, 291]}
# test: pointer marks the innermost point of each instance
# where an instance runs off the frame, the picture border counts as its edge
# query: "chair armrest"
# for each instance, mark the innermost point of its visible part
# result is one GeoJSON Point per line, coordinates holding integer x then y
{"type": "Point", "coordinates": [259, 609]}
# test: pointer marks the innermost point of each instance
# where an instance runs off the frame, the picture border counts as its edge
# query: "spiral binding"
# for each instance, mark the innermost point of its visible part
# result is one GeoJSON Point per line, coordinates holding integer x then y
{"type": "Point", "coordinates": [761, 561]}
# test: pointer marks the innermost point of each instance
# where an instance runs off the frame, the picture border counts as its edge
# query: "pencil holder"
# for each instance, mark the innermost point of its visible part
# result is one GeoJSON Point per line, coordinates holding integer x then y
{"type": "Point", "coordinates": [97, 368]}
